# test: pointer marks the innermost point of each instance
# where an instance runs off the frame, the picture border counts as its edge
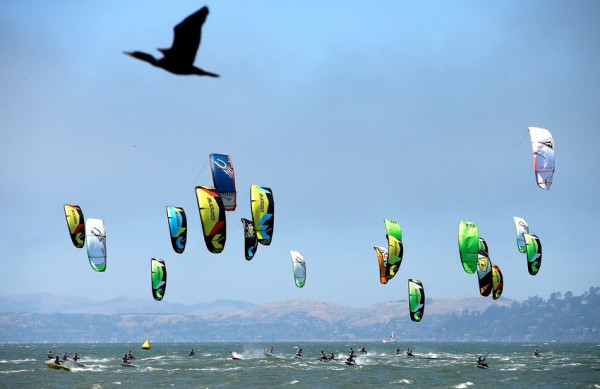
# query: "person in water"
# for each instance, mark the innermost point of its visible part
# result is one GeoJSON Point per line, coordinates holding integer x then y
{"type": "Point", "coordinates": [481, 361]}
{"type": "Point", "coordinates": [192, 353]}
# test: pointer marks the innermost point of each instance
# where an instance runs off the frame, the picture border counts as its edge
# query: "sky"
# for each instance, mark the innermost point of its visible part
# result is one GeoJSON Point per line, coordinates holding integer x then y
{"type": "Point", "coordinates": [350, 111]}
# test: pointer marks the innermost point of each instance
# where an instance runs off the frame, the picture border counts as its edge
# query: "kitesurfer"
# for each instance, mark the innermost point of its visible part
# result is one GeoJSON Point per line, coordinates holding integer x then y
{"type": "Point", "coordinates": [50, 355]}
{"type": "Point", "coordinates": [272, 350]}
{"type": "Point", "coordinates": [130, 355]}
{"type": "Point", "coordinates": [57, 360]}
{"type": "Point", "coordinates": [65, 357]}
{"type": "Point", "coordinates": [76, 357]}
{"type": "Point", "coordinates": [363, 349]}
{"type": "Point", "coordinates": [299, 353]}
{"type": "Point", "coordinates": [397, 350]}
{"type": "Point", "coordinates": [350, 360]}
{"type": "Point", "coordinates": [352, 352]}
{"type": "Point", "coordinates": [537, 353]}
{"type": "Point", "coordinates": [125, 358]}
{"type": "Point", "coordinates": [332, 357]}
{"type": "Point", "coordinates": [481, 361]}
{"type": "Point", "coordinates": [322, 356]}
{"type": "Point", "coordinates": [409, 352]}
{"type": "Point", "coordinates": [192, 353]}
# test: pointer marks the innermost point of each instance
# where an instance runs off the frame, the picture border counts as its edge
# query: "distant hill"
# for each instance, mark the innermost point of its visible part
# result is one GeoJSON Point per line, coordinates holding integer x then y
{"type": "Point", "coordinates": [50, 303]}
{"type": "Point", "coordinates": [34, 318]}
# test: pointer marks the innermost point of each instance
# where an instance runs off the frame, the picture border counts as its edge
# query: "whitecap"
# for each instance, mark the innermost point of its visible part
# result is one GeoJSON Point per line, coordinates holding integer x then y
{"type": "Point", "coordinates": [463, 385]}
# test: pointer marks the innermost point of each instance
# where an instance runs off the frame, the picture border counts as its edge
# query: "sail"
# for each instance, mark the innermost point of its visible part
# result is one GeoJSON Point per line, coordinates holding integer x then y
{"type": "Point", "coordinates": [482, 248]}
{"type": "Point", "coordinates": [484, 274]}
{"type": "Point", "coordinates": [146, 345]}
{"type": "Point", "coordinates": [75, 223]}
{"type": "Point", "coordinates": [543, 156]}
{"type": "Point", "coordinates": [224, 179]}
{"type": "Point", "coordinates": [468, 245]}
{"type": "Point", "coordinates": [212, 216]}
{"type": "Point", "coordinates": [416, 299]}
{"type": "Point", "coordinates": [299, 268]}
{"type": "Point", "coordinates": [250, 240]}
{"type": "Point", "coordinates": [382, 260]}
{"type": "Point", "coordinates": [158, 273]}
{"type": "Point", "coordinates": [263, 210]}
{"type": "Point", "coordinates": [522, 229]}
{"type": "Point", "coordinates": [395, 248]}
{"type": "Point", "coordinates": [497, 282]}
{"type": "Point", "coordinates": [177, 228]}
{"type": "Point", "coordinates": [534, 253]}
{"type": "Point", "coordinates": [95, 238]}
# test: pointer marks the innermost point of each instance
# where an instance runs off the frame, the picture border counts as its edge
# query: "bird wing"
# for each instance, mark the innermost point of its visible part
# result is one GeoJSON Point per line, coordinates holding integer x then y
{"type": "Point", "coordinates": [187, 38]}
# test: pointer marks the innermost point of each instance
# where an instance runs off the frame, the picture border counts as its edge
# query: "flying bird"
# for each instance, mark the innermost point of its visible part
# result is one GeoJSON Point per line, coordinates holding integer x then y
{"type": "Point", "coordinates": [179, 59]}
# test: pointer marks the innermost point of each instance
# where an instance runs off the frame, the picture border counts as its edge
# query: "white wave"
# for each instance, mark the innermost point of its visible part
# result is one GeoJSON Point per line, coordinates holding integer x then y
{"type": "Point", "coordinates": [17, 360]}
{"type": "Point", "coordinates": [402, 381]}
{"type": "Point", "coordinates": [463, 385]}
{"type": "Point", "coordinates": [15, 371]}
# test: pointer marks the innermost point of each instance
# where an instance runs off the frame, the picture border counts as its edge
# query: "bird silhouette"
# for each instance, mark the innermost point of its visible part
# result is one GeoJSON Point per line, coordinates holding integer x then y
{"type": "Point", "coordinates": [179, 59]}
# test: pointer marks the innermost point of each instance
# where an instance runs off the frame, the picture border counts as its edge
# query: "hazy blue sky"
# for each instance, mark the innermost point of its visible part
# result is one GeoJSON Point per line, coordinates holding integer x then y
{"type": "Point", "coordinates": [351, 111]}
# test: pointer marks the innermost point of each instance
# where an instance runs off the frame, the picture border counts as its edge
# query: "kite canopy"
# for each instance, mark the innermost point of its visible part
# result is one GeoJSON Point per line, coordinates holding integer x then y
{"type": "Point", "coordinates": [76, 225]}
{"type": "Point", "coordinates": [224, 179]}
{"type": "Point", "coordinates": [263, 213]}
{"type": "Point", "coordinates": [158, 274]}
{"type": "Point", "coordinates": [484, 274]}
{"type": "Point", "coordinates": [250, 241]}
{"type": "Point", "coordinates": [542, 145]}
{"type": "Point", "coordinates": [177, 228]}
{"type": "Point", "coordinates": [395, 247]}
{"type": "Point", "coordinates": [96, 244]}
{"type": "Point", "coordinates": [534, 254]}
{"type": "Point", "coordinates": [416, 299]}
{"type": "Point", "coordinates": [522, 229]}
{"type": "Point", "coordinates": [299, 268]}
{"type": "Point", "coordinates": [212, 216]}
{"type": "Point", "coordinates": [468, 245]}
{"type": "Point", "coordinates": [497, 282]}
{"type": "Point", "coordinates": [382, 256]}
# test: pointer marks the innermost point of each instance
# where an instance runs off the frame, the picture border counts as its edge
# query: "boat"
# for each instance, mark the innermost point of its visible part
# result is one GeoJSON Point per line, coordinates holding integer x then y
{"type": "Point", "coordinates": [392, 338]}
{"type": "Point", "coordinates": [58, 367]}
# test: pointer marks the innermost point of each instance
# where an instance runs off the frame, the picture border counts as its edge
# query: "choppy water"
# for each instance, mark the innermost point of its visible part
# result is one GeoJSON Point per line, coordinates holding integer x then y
{"type": "Point", "coordinates": [450, 365]}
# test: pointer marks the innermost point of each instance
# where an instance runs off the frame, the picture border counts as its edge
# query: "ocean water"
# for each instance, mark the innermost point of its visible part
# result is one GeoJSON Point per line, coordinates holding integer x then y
{"type": "Point", "coordinates": [447, 365]}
